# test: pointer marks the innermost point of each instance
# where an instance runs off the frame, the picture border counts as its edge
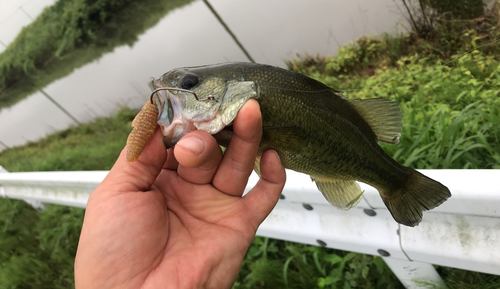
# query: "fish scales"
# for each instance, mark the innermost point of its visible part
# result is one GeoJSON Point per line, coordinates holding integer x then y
{"type": "Point", "coordinates": [313, 129]}
{"type": "Point", "coordinates": [283, 103]}
{"type": "Point", "coordinates": [317, 159]}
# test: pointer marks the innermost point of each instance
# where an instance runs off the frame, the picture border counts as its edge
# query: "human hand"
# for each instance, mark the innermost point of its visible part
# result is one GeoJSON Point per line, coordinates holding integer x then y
{"type": "Point", "coordinates": [179, 222]}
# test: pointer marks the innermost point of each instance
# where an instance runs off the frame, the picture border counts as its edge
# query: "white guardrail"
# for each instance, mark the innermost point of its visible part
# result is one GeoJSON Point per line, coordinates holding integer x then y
{"type": "Point", "coordinates": [463, 233]}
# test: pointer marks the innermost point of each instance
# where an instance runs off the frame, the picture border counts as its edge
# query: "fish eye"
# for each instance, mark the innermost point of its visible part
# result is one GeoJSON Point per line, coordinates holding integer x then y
{"type": "Point", "coordinates": [188, 81]}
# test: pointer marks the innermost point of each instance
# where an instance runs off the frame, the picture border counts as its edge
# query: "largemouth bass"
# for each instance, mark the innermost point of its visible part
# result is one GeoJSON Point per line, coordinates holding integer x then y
{"type": "Point", "coordinates": [312, 127]}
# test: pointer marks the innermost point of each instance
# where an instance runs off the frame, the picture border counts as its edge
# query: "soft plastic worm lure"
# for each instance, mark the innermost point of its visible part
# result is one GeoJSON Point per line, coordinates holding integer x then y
{"type": "Point", "coordinates": [144, 125]}
{"type": "Point", "coordinates": [145, 122]}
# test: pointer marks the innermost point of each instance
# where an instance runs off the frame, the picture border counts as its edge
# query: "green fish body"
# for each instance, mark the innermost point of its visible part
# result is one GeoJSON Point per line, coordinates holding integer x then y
{"type": "Point", "coordinates": [313, 129]}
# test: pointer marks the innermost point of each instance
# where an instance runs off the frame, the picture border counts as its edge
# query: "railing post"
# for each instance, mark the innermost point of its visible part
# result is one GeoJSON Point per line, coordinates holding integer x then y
{"type": "Point", "coordinates": [413, 274]}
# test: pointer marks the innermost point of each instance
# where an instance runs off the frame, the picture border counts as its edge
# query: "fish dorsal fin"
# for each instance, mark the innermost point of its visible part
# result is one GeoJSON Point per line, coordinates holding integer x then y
{"type": "Point", "coordinates": [343, 194]}
{"type": "Point", "coordinates": [383, 116]}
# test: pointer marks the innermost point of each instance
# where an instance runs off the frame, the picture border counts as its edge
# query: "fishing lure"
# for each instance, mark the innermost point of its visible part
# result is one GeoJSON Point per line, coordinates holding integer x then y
{"type": "Point", "coordinates": [145, 122]}
{"type": "Point", "coordinates": [144, 125]}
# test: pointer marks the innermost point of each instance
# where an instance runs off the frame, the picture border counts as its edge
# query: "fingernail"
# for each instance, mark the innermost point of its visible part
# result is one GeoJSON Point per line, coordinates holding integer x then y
{"type": "Point", "coordinates": [278, 156]}
{"type": "Point", "coordinates": [193, 144]}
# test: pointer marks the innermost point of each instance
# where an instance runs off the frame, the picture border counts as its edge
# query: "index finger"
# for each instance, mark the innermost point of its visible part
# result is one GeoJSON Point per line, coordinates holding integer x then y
{"type": "Point", "coordinates": [140, 174]}
{"type": "Point", "coordinates": [239, 158]}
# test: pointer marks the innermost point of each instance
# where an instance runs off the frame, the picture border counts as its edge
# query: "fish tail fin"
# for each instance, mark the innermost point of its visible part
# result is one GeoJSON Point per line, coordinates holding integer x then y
{"type": "Point", "coordinates": [419, 193]}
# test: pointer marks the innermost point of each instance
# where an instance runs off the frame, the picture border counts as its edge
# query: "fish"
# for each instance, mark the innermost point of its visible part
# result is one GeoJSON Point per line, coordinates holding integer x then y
{"type": "Point", "coordinates": [314, 129]}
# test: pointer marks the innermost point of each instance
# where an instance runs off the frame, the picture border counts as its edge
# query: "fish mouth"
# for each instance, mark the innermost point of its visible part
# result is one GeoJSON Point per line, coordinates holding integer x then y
{"type": "Point", "coordinates": [172, 117]}
{"type": "Point", "coordinates": [181, 111]}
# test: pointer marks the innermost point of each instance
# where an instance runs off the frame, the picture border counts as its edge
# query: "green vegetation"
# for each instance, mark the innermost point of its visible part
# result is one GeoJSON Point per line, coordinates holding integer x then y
{"type": "Point", "coordinates": [451, 120]}
{"type": "Point", "coordinates": [37, 249]}
{"type": "Point", "coordinates": [93, 146]}
{"type": "Point", "coordinates": [70, 34]}
{"type": "Point", "coordinates": [451, 113]}
{"type": "Point", "coordinates": [451, 117]}
{"type": "Point", "coordinates": [271, 263]}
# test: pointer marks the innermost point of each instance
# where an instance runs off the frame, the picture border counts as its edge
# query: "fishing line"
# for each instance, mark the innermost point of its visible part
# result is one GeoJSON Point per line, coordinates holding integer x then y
{"type": "Point", "coordinates": [210, 97]}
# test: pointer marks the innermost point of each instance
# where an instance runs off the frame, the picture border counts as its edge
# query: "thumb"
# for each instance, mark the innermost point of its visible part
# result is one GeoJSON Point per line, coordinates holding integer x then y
{"type": "Point", "coordinates": [140, 174]}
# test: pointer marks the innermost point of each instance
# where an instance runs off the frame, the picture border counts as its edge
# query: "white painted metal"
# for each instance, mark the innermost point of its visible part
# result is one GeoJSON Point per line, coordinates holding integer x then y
{"type": "Point", "coordinates": [460, 241]}
{"type": "Point", "coordinates": [475, 192]}
{"type": "Point", "coordinates": [62, 188]}
{"type": "Point", "coordinates": [464, 232]}
{"type": "Point", "coordinates": [350, 231]}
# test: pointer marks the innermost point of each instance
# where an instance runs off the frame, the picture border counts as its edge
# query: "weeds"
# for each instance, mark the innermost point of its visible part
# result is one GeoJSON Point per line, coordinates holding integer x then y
{"type": "Point", "coordinates": [272, 263]}
{"type": "Point", "coordinates": [93, 146]}
{"type": "Point", "coordinates": [37, 250]}
{"type": "Point", "coordinates": [451, 119]}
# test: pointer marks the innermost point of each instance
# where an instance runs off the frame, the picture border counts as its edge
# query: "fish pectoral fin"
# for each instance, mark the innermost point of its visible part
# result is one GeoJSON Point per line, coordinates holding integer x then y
{"type": "Point", "coordinates": [256, 166]}
{"type": "Point", "coordinates": [383, 116]}
{"type": "Point", "coordinates": [343, 194]}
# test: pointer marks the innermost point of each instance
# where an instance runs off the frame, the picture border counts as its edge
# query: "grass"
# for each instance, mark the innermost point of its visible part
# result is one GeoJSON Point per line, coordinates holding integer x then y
{"type": "Point", "coordinates": [93, 146]}
{"type": "Point", "coordinates": [451, 120]}
{"type": "Point", "coordinates": [271, 263]}
{"type": "Point", "coordinates": [37, 249]}
{"type": "Point", "coordinates": [451, 117]}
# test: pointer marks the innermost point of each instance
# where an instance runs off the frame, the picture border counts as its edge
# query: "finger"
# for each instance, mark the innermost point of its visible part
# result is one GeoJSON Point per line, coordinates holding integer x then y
{"type": "Point", "coordinates": [239, 158]}
{"type": "Point", "coordinates": [262, 198]}
{"type": "Point", "coordinates": [140, 174]}
{"type": "Point", "coordinates": [199, 156]}
{"type": "Point", "coordinates": [171, 163]}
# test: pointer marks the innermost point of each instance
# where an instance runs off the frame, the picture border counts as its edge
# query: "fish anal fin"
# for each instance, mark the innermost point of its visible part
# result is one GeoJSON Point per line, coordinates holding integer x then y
{"type": "Point", "coordinates": [343, 194]}
{"type": "Point", "coordinates": [383, 116]}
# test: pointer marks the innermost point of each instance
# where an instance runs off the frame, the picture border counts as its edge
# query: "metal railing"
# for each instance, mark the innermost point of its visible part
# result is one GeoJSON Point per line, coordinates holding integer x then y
{"type": "Point", "coordinates": [462, 233]}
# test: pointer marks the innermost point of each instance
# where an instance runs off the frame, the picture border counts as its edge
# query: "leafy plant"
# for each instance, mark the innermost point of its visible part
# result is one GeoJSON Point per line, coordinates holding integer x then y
{"type": "Point", "coordinates": [279, 264]}
{"type": "Point", "coordinates": [451, 119]}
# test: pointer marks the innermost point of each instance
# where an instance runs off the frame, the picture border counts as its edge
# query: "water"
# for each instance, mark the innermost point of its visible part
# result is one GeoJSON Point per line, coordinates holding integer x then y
{"type": "Point", "coordinates": [270, 31]}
